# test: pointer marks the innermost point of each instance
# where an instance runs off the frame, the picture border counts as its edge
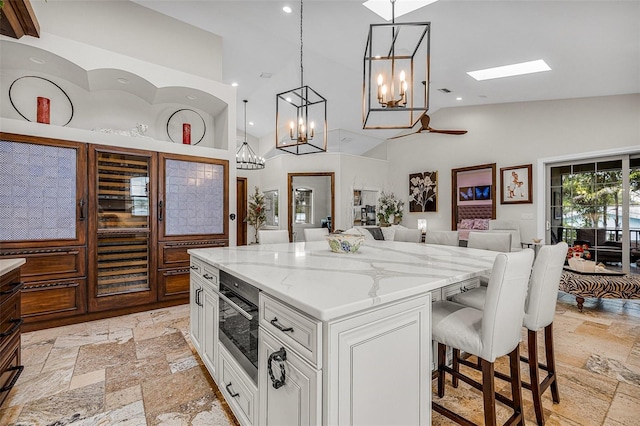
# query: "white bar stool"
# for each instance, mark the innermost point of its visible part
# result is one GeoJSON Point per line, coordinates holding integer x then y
{"type": "Point", "coordinates": [488, 334]}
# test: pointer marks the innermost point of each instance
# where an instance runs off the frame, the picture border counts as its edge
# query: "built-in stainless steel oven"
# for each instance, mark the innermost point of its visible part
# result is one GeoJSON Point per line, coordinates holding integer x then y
{"type": "Point", "coordinates": [239, 322]}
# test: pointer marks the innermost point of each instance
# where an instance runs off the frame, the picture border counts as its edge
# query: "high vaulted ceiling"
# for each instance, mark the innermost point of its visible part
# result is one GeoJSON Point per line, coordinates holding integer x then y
{"type": "Point", "coordinates": [593, 48]}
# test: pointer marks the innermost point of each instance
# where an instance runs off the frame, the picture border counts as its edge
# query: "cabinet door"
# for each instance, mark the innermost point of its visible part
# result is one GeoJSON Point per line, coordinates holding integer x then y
{"type": "Point", "coordinates": [209, 329]}
{"type": "Point", "coordinates": [193, 201]}
{"type": "Point", "coordinates": [299, 400]}
{"type": "Point", "coordinates": [43, 184]}
{"type": "Point", "coordinates": [378, 360]}
{"type": "Point", "coordinates": [195, 318]}
{"type": "Point", "coordinates": [122, 261]}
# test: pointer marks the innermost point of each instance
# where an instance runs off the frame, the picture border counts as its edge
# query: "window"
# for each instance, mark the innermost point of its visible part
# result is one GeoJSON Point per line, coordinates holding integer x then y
{"type": "Point", "coordinates": [303, 205]}
{"type": "Point", "coordinates": [589, 206]}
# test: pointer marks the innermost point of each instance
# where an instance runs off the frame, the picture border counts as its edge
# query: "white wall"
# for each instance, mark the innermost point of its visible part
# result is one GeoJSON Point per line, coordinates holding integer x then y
{"type": "Point", "coordinates": [511, 135]}
{"type": "Point", "coordinates": [118, 25]}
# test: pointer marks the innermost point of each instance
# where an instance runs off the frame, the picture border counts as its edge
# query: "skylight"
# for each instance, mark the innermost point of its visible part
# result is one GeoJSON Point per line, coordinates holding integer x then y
{"type": "Point", "coordinates": [382, 8]}
{"type": "Point", "coordinates": [510, 70]}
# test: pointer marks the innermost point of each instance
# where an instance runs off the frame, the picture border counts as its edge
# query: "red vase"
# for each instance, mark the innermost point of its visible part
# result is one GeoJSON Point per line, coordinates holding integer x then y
{"type": "Point", "coordinates": [43, 110]}
{"type": "Point", "coordinates": [186, 133]}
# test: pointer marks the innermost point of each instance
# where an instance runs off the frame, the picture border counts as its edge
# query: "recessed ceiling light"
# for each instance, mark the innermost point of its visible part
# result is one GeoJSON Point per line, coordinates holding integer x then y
{"type": "Point", "coordinates": [286, 9]}
{"type": "Point", "coordinates": [122, 80]}
{"type": "Point", "coordinates": [288, 99]}
{"type": "Point", "coordinates": [234, 84]}
{"type": "Point", "coordinates": [382, 8]}
{"type": "Point", "coordinates": [458, 98]}
{"type": "Point", "coordinates": [191, 97]}
{"type": "Point", "coordinates": [36, 60]}
{"type": "Point", "coordinates": [510, 70]}
{"type": "Point", "coordinates": [251, 123]}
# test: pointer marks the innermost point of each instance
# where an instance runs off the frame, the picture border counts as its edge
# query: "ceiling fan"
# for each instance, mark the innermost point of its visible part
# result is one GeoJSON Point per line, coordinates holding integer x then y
{"type": "Point", "coordinates": [424, 121]}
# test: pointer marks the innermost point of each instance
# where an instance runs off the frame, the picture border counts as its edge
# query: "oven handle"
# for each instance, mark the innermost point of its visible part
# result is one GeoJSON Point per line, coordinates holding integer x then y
{"type": "Point", "coordinates": [236, 307]}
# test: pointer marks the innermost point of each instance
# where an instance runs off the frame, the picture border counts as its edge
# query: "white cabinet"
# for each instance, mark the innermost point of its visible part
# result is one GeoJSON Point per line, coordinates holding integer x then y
{"type": "Point", "coordinates": [204, 314]}
{"type": "Point", "coordinates": [298, 400]}
{"type": "Point", "coordinates": [238, 389]}
{"type": "Point", "coordinates": [378, 369]}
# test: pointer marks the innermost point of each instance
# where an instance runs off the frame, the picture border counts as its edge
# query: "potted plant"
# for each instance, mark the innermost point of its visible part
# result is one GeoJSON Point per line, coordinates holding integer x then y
{"type": "Point", "coordinates": [256, 215]}
{"type": "Point", "coordinates": [390, 209]}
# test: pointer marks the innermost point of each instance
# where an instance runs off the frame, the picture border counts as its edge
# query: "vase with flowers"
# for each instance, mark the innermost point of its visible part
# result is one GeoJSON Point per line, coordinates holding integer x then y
{"type": "Point", "coordinates": [256, 215]}
{"type": "Point", "coordinates": [579, 250]}
{"type": "Point", "coordinates": [390, 209]}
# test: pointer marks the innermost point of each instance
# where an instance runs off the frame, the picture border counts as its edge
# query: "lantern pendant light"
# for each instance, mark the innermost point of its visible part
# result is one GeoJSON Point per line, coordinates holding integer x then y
{"type": "Point", "coordinates": [246, 159]}
{"type": "Point", "coordinates": [301, 116]}
{"type": "Point", "coordinates": [396, 74]}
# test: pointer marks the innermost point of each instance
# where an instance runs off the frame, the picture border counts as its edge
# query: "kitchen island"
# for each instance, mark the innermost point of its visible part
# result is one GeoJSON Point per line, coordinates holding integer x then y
{"type": "Point", "coordinates": [342, 338]}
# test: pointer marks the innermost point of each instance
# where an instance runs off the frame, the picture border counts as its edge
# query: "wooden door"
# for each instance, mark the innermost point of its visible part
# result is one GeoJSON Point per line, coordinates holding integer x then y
{"type": "Point", "coordinates": [241, 191]}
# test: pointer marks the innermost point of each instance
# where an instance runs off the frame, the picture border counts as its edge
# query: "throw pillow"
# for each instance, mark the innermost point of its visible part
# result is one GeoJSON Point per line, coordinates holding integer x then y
{"type": "Point", "coordinates": [376, 232]}
{"type": "Point", "coordinates": [466, 224]}
{"type": "Point", "coordinates": [481, 224]}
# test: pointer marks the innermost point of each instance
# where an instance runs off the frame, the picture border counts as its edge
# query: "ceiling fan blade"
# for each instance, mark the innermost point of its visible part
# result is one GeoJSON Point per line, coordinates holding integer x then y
{"type": "Point", "coordinates": [448, 132]}
{"type": "Point", "coordinates": [406, 134]}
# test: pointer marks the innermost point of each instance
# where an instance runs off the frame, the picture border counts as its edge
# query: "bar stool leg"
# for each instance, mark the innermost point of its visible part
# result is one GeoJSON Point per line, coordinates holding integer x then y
{"type": "Point", "coordinates": [442, 349]}
{"type": "Point", "coordinates": [516, 384]}
{"type": "Point", "coordinates": [551, 362]}
{"type": "Point", "coordinates": [488, 393]}
{"type": "Point", "coordinates": [456, 367]}
{"type": "Point", "coordinates": [534, 373]}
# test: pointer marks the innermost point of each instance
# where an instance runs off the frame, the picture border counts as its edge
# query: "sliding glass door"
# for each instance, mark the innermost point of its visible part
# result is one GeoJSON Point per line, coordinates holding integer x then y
{"type": "Point", "coordinates": [596, 203]}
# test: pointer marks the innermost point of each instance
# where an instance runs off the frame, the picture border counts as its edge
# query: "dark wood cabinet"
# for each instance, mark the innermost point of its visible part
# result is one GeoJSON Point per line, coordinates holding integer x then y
{"type": "Point", "coordinates": [111, 228]}
{"type": "Point", "coordinates": [10, 322]}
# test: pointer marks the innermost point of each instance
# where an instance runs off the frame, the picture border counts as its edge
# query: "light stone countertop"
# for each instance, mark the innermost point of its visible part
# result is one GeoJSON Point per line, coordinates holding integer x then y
{"type": "Point", "coordinates": [8, 265]}
{"type": "Point", "coordinates": [329, 285]}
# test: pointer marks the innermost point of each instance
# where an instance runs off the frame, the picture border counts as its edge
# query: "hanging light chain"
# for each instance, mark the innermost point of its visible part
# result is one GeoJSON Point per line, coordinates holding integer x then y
{"type": "Point", "coordinates": [301, 66]}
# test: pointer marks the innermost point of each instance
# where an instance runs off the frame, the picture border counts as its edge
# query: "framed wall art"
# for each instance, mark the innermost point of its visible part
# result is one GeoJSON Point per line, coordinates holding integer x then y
{"type": "Point", "coordinates": [423, 192]}
{"type": "Point", "coordinates": [516, 185]}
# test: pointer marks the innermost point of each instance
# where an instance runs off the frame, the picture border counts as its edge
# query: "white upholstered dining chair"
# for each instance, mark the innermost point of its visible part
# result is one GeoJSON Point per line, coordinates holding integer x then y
{"type": "Point", "coordinates": [487, 334]}
{"type": "Point", "coordinates": [496, 241]}
{"type": "Point", "coordinates": [408, 235]}
{"type": "Point", "coordinates": [510, 226]}
{"type": "Point", "coordinates": [315, 234]}
{"type": "Point", "coordinates": [445, 238]}
{"type": "Point", "coordinates": [273, 236]}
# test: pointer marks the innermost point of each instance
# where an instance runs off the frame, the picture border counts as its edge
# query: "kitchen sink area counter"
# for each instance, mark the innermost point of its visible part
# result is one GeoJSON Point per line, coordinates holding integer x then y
{"type": "Point", "coordinates": [339, 338]}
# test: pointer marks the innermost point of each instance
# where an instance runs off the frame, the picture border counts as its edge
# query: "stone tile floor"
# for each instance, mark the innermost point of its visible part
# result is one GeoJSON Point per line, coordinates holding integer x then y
{"type": "Point", "coordinates": [141, 369]}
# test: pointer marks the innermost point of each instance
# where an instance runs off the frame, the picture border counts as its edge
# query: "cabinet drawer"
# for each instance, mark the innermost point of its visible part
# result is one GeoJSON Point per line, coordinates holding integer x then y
{"type": "Point", "coordinates": [174, 254]}
{"type": "Point", "coordinates": [10, 368]}
{"type": "Point", "coordinates": [173, 283]}
{"type": "Point", "coordinates": [9, 284]}
{"type": "Point", "coordinates": [205, 272]}
{"type": "Point", "coordinates": [53, 299]}
{"type": "Point", "coordinates": [10, 319]}
{"type": "Point", "coordinates": [238, 389]}
{"type": "Point", "coordinates": [44, 264]}
{"type": "Point", "coordinates": [450, 290]}
{"type": "Point", "coordinates": [297, 330]}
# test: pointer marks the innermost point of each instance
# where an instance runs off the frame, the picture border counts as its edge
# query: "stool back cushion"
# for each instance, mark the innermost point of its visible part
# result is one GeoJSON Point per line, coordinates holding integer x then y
{"type": "Point", "coordinates": [445, 238]}
{"type": "Point", "coordinates": [504, 305]}
{"type": "Point", "coordinates": [273, 236]}
{"type": "Point", "coordinates": [543, 288]}
{"type": "Point", "coordinates": [315, 234]}
{"type": "Point", "coordinates": [408, 235]}
{"type": "Point", "coordinates": [496, 241]}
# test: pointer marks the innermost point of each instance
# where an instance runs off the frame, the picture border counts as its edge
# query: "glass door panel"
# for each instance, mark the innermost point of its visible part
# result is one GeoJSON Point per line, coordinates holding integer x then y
{"type": "Point", "coordinates": [123, 263]}
{"type": "Point", "coordinates": [123, 191]}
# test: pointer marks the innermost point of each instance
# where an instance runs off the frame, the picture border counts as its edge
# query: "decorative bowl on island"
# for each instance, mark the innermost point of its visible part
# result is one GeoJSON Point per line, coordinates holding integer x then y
{"type": "Point", "coordinates": [537, 240]}
{"type": "Point", "coordinates": [345, 243]}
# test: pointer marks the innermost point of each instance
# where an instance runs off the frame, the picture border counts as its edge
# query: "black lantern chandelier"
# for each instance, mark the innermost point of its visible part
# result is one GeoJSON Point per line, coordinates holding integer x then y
{"type": "Point", "coordinates": [301, 116]}
{"type": "Point", "coordinates": [396, 74]}
{"type": "Point", "coordinates": [246, 159]}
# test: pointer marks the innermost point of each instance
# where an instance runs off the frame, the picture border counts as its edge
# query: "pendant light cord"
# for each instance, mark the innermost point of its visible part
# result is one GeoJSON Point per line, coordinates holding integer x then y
{"type": "Point", "coordinates": [301, 67]}
{"type": "Point", "coordinates": [245, 120]}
